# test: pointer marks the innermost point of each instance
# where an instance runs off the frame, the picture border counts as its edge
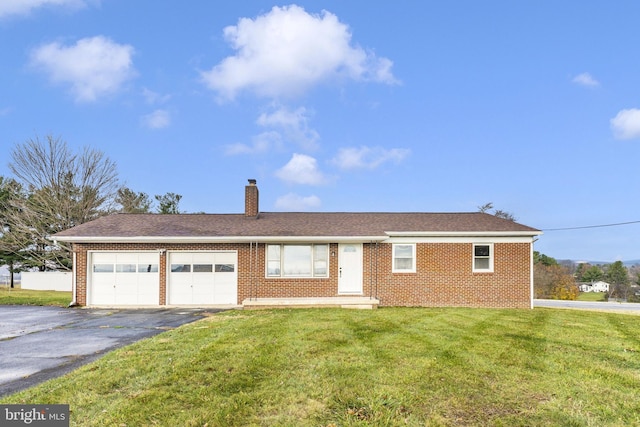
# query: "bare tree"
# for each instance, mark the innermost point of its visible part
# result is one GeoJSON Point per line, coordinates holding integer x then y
{"type": "Point", "coordinates": [488, 207]}
{"type": "Point", "coordinates": [64, 189]}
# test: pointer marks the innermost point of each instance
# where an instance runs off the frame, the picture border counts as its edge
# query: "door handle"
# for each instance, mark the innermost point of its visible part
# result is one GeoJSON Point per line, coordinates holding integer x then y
{"type": "Point", "coordinates": [340, 271]}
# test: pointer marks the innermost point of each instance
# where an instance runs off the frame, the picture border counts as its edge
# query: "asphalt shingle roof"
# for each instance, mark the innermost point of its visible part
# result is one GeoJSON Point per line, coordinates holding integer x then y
{"type": "Point", "coordinates": [301, 224]}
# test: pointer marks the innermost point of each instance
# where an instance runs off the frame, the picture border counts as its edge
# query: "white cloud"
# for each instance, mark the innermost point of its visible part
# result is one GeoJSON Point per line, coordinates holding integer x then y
{"type": "Point", "coordinates": [626, 124]}
{"type": "Point", "coordinates": [585, 79]}
{"type": "Point", "coordinates": [93, 66]}
{"type": "Point", "coordinates": [284, 118]}
{"type": "Point", "coordinates": [154, 98]}
{"type": "Point", "coordinates": [286, 126]}
{"type": "Point", "coordinates": [261, 144]}
{"type": "Point", "coordinates": [301, 169]}
{"type": "Point", "coordinates": [293, 125]}
{"type": "Point", "coordinates": [287, 50]}
{"type": "Point", "coordinates": [24, 7]}
{"type": "Point", "coordinates": [295, 203]}
{"type": "Point", "coordinates": [368, 158]}
{"type": "Point", "coordinates": [157, 120]}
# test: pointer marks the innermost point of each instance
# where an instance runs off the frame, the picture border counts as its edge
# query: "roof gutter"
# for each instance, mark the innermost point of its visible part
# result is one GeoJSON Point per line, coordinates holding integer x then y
{"type": "Point", "coordinates": [220, 239]}
{"type": "Point", "coordinates": [463, 233]}
{"type": "Point", "coordinates": [292, 239]}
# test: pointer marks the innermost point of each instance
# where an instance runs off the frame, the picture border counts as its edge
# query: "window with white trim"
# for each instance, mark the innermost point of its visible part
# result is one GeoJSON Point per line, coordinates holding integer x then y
{"type": "Point", "coordinates": [297, 260]}
{"type": "Point", "coordinates": [483, 257]}
{"type": "Point", "coordinates": [404, 258]}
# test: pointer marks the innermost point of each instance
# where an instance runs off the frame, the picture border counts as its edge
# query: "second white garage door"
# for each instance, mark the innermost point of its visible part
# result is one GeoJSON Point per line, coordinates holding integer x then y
{"type": "Point", "coordinates": [203, 278]}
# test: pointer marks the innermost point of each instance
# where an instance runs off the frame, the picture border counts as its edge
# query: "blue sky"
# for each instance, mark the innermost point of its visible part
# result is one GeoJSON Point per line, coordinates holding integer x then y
{"type": "Point", "coordinates": [332, 106]}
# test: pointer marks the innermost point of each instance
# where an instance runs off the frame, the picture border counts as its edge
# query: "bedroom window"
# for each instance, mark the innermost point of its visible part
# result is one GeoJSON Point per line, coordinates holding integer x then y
{"type": "Point", "coordinates": [404, 258]}
{"type": "Point", "coordinates": [297, 260]}
{"type": "Point", "coordinates": [483, 258]}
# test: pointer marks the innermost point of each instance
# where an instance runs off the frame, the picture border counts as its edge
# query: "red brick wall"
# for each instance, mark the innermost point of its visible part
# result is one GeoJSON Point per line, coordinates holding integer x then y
{"type": "Point", "coordinates": [443, 275]}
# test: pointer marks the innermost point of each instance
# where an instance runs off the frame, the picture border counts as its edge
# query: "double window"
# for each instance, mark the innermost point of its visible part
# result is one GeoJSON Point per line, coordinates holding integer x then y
{"type": "Point", "coordinates": [404, 258]}
{"type": "Point", "coordinates": [297, 260]}
{"type": "Point", "coordinates": [483, 257]}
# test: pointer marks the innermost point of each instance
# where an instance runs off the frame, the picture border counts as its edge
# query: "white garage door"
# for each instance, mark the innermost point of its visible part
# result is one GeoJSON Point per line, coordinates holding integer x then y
{"type": "Point", "coordinates": [124, 278]}
{"type": "Point", "coordinates": [203, 278]}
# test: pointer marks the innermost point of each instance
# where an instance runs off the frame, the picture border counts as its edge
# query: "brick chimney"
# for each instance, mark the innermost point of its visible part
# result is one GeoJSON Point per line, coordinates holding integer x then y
{"type": "Point", "coordinates": [251, 199]}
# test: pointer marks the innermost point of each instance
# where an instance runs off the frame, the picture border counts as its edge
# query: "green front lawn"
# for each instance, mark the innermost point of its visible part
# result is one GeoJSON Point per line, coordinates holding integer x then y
{"type": "Point", "coordinates": [18, 296]}
{"type": "Point", "coordinates": [386, 367]}
{"type": "Point", "coordinates": [591, 296]}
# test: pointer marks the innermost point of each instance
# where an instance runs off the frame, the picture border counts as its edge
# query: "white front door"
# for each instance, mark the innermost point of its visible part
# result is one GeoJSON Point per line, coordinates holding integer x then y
{"type": "Point", "coordinates": [350, 268]}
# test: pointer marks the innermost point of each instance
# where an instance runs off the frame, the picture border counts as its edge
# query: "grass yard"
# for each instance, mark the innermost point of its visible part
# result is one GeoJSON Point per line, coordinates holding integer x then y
{"type": "Point", "coordinates": [591, 296]}
{"type": "Point", "coordinates": [386, 367]}
{"type": "Point", "coordinates": [29, 297]}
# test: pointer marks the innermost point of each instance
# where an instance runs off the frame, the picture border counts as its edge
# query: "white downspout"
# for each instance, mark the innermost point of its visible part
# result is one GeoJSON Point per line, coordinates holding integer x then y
{"type": "Point", "coordinates": [533, 240]}
{"type": "Point", "coordinates": [74, 301]}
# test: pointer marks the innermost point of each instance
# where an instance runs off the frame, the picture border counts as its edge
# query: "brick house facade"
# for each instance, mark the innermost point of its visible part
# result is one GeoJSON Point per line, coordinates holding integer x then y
{"type": "Point", "coordinates": [398, 259]}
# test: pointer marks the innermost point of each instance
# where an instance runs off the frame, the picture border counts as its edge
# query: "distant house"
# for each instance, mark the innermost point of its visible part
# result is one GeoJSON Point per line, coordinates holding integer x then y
{"type": "Point", "coordinates": [584, 287]}
{"type": "Point", "coordinates": [600, 286]}
{"type": "Point", "coordinates": [594, 287]}
{"type": "Point", "coordinates": [288, 258]}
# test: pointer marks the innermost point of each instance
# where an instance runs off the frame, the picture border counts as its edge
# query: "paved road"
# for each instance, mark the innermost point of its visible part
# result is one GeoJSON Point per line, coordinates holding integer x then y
{"type": "Point", "coordinates": [620, 307]}
{"type": "Point", "coordinates": [39, 343]}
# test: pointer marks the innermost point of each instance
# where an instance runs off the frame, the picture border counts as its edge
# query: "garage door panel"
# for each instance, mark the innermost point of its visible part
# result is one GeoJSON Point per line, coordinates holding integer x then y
{"type": "Point", "coordinates": [226, 283]}
{"type": "Point", "coordinates": [103, 290]}
{"type": "Point", "coordinates": [148, 280]}
{"type": "Point", "coordinates": [126, 293]}
{"type": "Point", "coordinates": [125, 278]}
{"type": "Point", "coordinates": [203, 278]}
{"type": "Point", "coordinates": [228, 257]}
{"type": "Point", "coordinates": [180, 278]}
{"type": "Point", "coordinates": [180, 257]}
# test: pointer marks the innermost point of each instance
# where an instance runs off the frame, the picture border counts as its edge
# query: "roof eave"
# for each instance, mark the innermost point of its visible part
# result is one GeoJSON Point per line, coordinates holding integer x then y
{"type": "Point", "coordinates": [531, 233]}
{"type": "Point", "coordinates": [218, 239]}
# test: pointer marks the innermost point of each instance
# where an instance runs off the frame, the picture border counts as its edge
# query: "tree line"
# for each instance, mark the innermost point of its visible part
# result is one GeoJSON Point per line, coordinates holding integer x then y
{"type": "Point", "coordinates": [54, 188]}
{"type": "Point", "coordinates": [556, 280]}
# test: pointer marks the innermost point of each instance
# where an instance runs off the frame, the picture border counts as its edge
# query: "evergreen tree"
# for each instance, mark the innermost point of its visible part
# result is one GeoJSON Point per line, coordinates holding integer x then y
{"type": "Point", "coordinates": [618, 277]}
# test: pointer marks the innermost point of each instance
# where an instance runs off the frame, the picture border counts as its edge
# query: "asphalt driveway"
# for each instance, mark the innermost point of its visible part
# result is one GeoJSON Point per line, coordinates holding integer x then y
{"type": "Point", "coordinates": [39, 343]}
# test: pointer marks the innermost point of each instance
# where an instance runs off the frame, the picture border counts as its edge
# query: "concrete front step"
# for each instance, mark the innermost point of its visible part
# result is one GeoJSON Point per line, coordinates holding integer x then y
{"type": "Point", "coordinates": [342, 302]}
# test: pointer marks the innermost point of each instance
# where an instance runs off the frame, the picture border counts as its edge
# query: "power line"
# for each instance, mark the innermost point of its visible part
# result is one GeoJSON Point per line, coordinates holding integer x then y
{"type": "Point", "coordinates": [591, 226]}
